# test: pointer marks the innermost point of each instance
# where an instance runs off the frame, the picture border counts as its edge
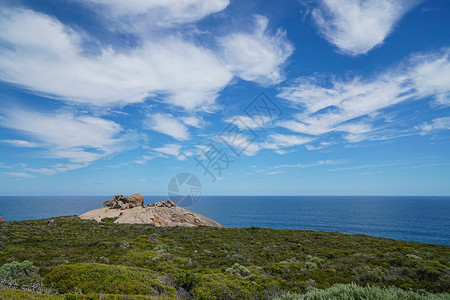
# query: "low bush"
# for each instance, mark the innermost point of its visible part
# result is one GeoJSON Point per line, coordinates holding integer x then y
{"type": "Point", "coordinates": [99, 278]}
{"type": "Point", "coordinates": [354, 292]}
{"type": "Point", "coordinates": [16, 270]}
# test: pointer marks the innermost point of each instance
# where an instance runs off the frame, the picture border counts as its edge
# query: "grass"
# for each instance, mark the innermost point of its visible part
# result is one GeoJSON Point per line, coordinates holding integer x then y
{"type": "Point", "coordinates": [87, 258]}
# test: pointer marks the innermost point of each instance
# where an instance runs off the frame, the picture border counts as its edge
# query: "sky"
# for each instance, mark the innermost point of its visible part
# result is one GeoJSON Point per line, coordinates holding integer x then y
{"type": "Point", "coordinates": [326, 97]}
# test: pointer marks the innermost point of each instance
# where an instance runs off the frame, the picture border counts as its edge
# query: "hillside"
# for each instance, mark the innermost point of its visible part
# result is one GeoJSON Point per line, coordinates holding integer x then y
{"type": "Point", "coordinates": [74, 256]}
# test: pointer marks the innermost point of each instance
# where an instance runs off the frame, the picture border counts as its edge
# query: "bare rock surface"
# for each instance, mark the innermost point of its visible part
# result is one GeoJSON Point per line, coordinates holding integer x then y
{"type": "Point", "coordinates": [119, 201]}
{"type": "Point", "coordinates": [159, 214]}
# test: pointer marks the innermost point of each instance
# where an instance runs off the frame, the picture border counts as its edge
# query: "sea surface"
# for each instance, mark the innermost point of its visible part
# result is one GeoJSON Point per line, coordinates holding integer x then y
{"type": "Point", "coordinates": [419, 219]}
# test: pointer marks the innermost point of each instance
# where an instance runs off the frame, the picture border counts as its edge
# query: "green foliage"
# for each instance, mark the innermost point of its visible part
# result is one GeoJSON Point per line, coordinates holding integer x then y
{"type": "Point", "coordinates": [9, 294]}
{"type": "Point", "coordinates": [213, 263]}
{"type": "Point", "coordinates": [413, 256]}
{"type": "Point", "coordinates": [16, 270]}
{"type": "Point", "coordinates": [240, 271]}
{"type": "Point", "coordinates": [109, 220]}
{"type": "Point", "coordinates": [355, 292]}
{"type": "Point", "coordinates": [99, 278]}
{"type": "Point", "coordinates": [220, 286]}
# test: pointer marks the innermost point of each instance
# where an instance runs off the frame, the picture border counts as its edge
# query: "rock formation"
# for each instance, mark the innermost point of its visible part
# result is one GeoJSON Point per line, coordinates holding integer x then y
{"type": "Point", "coordinates": [131, 210]}
{"type": "Point", "coordinates": [1, 219]}
{"type": "Point", "coordinates": [169, 204]}
{"type": "Point", "coordinates": [121, 202]}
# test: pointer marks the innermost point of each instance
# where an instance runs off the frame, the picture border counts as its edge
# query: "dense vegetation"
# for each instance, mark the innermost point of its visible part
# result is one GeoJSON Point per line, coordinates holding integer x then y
{"type": "Point", "coordinates": [80, 259]}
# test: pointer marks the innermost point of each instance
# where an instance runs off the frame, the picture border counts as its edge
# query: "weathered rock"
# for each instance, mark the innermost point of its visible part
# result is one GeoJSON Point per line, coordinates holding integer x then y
{"type": "Point", "coordinates": [121, 202]}
{"type": "Point", "coordinates": [158, 216]}
{"type": "Point", "coordinates": [131, 210]}
{"type": "Point", "coordinates": [169, 204]}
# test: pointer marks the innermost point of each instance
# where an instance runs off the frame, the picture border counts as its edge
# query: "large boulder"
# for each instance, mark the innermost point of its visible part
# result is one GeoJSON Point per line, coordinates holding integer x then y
{"type": "Point", "coordinates": [121, 202]}
{"type": "Point", "coordinates": [168, 204]}
{"type": "Point", "coordinates": [158, 216]}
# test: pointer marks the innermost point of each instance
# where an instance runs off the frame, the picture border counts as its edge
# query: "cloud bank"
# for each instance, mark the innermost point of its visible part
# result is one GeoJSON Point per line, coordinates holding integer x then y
{"type": "Point", "coordinates": [42, 55]}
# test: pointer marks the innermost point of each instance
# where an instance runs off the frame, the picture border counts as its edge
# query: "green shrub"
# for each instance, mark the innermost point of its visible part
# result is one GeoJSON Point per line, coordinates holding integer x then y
{"type": "Point", "coordinates": [240, 271]}
{"type": "Point", "coordinates": [16, 270]}
{"type": "Point", "coordinates": [219, 286]}
{"type": "Point", "coordinates": [99, 278]}
{"type": "Point", "coordinates": [413, 256]}
{"type": "Point", "coordinates": [9, 294]}
{"type": "Point", "coordinates": [354, 292]}
{"type": "Point", "coordinates": [103, 260]}
{"type": "Point", "coordinates": [109, 220]}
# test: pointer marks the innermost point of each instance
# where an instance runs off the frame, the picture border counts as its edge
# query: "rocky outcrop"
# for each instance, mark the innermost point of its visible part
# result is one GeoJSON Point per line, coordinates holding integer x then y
{"type": "Point", "coordinates": [169, 204]}
{"type": "Point", "coordinates": [1, 219]}
{"type": "Point", "coordinates": [121, 202]}
{"type": "Point", "coordinates": [159, 214]}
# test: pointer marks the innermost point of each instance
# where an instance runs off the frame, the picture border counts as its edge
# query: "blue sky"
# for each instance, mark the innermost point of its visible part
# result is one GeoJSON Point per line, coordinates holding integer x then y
{"type": "Point", "coordinates": [327, 97]}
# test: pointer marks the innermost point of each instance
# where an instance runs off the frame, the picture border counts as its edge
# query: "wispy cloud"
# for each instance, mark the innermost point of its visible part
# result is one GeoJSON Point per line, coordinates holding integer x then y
{"type": "Point", "coordinates": [193, 121]}
{"type": "Point", "coordinates": [435, 125]}
{"type": "Point", "coordinates": [284, 141]}
{"type": "Point", "coordinates": [65, 135]}
{"type": "Point", "coordinates": [274, 173]}
{"type": "Point", "coordinates": [171, 149]}
{"type": "Point", "coordinates": [57, 168]}
{"type": "Point", "coordinates": [167, 124]}
{"type": "Point", "coordinates": [41, 54]}
{"type": "Point", "coordinates": [356, 27]}
{"type": "Point", "coordinates": [19, 174]}
{"type": "Point", "coordinates": [257, 56]}
{"type": "Point", "coordinates": [20, 143]}
{"type": "Point", "coordinates": [351, 106]}
{"type": "Point", "coordinates": [145, 15]}
{"type": "Point", "coordinates": [309, 165]}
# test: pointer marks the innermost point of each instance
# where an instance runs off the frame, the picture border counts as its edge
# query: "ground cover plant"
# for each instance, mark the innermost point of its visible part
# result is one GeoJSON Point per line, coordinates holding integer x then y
{"type": "Point", "coordinates": [83, 259]}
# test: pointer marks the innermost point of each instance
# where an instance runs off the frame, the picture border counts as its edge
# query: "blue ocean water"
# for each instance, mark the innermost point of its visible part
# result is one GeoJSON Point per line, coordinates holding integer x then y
{"type": "Point", "coordinates": [419, 219]}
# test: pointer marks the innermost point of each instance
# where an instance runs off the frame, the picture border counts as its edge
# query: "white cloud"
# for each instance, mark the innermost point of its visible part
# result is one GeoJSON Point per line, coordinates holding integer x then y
{"type": "Point", "coordinates": [257, 56]}
{"type": "Point", "coordinates": [434, 125]}
{"type": "Point", "coordinates": [167, 124]}
{"type": "Point", "coordinates": [351, 106]}
{"type": "Point", "coordinates": [275, 142]}
{"type": "Point", "coordinates": [164, 13]}
{"type": "Point", "coordinates": [58, 168]}
{"type": "Point", "coordinates": [196, 122]}
{"type": "Point", "coordinates": [431, 76]}
{"type": "Point", "coordinates": [77, 138]}
{"type": "Point", "coordinates": [20, 143]}
{"type": "Point", "coordinates": [41, 54]}
{"type": "Point", "coordinates": [19, 174]}
{"type": "Point", "coordinates": [357, 26]}
{"type": "Point", "coordinates": [244, 122]}
{"type": "Point", "coordinates": [171, 149]}
{"type": "Point", "coordinates": [313, 164]}
{"type": "Point", "coordinates": [282, 140]}
{"type": "Point", "coordinates": [274, 172]}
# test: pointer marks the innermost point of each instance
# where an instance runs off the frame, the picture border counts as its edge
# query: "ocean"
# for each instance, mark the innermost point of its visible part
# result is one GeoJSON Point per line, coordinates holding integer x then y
{"type": "Point", "coordinates": [418, 219]}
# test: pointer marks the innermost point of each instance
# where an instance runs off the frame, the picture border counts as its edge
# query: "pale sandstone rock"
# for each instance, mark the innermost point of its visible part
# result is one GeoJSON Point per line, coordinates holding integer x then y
{"type": "Point", "coordinates": [158, 216]}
